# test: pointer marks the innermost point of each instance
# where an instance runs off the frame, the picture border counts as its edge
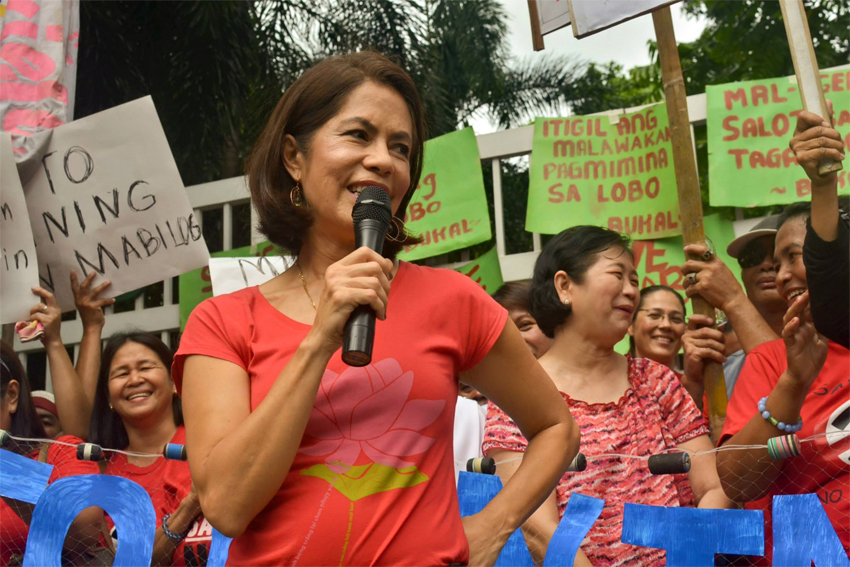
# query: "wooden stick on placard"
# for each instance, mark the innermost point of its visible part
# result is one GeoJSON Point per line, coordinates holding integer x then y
{"type": "Point", "coordinates": [536, 34]}
{"type": "Point", "coordinates": [687, 182]}
{"type": "Point", "coordinates": [806, 68]}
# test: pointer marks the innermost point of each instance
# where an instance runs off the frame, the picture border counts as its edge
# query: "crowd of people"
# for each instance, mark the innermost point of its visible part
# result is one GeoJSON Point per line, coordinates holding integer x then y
{"type": "Point", "coordinates": [305, 460]}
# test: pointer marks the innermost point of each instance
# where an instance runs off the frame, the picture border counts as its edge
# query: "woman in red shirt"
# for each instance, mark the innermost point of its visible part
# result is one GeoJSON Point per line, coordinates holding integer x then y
{"type": "Point", "coordinates": [584, 295]}
{"type": "Point", "coordinates": [305, 460]}
{"type": "Point", "coordinates": [136, 409]}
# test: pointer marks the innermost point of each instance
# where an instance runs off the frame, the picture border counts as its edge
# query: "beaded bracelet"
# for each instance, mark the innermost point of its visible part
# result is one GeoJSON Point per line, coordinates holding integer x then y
{"type": "Point", "coordinates": [171, 535]}
{"type": "Point", "coordinates": [781, 425]}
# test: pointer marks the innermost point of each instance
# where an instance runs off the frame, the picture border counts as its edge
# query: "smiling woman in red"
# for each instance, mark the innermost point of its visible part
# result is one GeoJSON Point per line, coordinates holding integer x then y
{"type": "Point", "coordinates": [136, 409]}
{"type": "Point", "coordinates": [302, 459]}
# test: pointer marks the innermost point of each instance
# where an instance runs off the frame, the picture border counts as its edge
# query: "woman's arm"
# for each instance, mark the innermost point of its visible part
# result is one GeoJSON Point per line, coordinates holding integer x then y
{"type": "Point", "coordinates": [511, 377]}
{"type": "Point", "coordinates": [747, 475]}
{"type": "Point", "coordinates": [703, 474]}
{"type": "Point", "coordinates": [239, 458]}
{"type": "Point", "coordinates": [179, 522]}
{"type": "Point", "coordinates": [72, 405]}
{"type": "Point", "coordinates": [90, 308]}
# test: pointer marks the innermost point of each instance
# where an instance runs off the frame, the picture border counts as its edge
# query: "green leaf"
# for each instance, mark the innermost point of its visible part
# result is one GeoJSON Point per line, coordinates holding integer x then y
{"type": "Point", "coordinates": [360, 482]}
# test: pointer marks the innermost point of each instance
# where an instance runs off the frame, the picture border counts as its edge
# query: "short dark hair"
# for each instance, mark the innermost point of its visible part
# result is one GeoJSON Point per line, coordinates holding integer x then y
{"type": "Point", "coordinates": [802, 209]}
{"type": "Point", "coordinates": [106, 427]}
{"type": "Point", "coordinates": [312, 100]}
{"type": "Point", "coordinates": [24, 422]}
{"type": "Point", "coordinates": [514, 296]}
{"type": "Point", "coordinates": [572, 251]}
{"type": "Point", "coordinates": [646, 292]}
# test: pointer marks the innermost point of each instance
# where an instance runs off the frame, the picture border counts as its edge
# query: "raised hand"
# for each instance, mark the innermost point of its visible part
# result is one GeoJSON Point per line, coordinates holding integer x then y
{"type": "Point", "coordinates": [814, 139]}
{"type": "Point", "coordinates": [711, 278]}
{"type": "Point", "coordinates": [87, 302]}
{"type": "Point", "coordinates": [805, 349]}
{"type": "Point", "coordinates": [702, 342]}
{"type": "Point", "coordinates": [49, 315]}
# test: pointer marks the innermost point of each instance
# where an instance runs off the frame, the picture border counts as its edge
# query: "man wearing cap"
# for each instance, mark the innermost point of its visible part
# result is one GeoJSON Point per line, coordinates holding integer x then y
{"type": "Point", "coordinates": [45, 407]}
{"type": "Point", "coordinates": [753, 318]}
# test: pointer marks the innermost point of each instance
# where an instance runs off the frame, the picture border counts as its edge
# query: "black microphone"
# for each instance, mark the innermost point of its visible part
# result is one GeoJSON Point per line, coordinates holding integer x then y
{"type": "Point", "coordinates": [372, 217]}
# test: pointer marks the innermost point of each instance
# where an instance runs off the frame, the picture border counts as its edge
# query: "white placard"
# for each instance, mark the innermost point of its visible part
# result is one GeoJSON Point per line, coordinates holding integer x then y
{"type": "Point", "coordinates": [19, 266]}
{"type": "Point", "coordinates": [591, 16]}
{"type": "Point", "coordinates": [232, 274]}
{"type": "Point", "coordinates": [109, 199]}
{"type": "Point", "coordinates": [553, 14]}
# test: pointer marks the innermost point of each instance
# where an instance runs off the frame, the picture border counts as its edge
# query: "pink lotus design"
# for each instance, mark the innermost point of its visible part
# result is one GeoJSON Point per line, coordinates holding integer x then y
{"type": "Point", "coordinates": [366, 409]}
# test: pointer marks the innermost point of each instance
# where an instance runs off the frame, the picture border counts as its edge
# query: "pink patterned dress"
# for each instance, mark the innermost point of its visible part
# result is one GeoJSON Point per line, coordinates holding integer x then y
{"type": "Point", "coordinates": [654, 414]}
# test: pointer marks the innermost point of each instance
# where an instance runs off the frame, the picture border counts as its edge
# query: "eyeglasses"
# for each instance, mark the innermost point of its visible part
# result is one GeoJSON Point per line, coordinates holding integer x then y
{"type": "Point", "coordinates": [752, 254]}
{"type": "Point", "coordinates": [658, 315]}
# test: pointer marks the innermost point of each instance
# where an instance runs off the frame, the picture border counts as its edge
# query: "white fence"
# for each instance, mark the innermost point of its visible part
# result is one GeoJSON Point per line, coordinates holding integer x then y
{"type": "Point", "coordinates": [219, 199]}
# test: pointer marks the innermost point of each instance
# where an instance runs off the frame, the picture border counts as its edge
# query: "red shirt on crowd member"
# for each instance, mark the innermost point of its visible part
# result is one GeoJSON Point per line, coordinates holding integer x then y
{"type": "Point", "coordinates": [653, 416]}
{"type": "Point", "coordinates": [373, 481]}
{"type": "Point", "coordinates": [167, 482]}
{"type": "Point", "coordinates": [13, 530]}
{"type": "Point", "coordinates": [822, 466]}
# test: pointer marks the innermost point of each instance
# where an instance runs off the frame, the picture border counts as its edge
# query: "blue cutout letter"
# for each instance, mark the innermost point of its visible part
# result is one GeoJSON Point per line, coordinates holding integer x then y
{"type": "Point", "coordinates": [474, 491]}
{"type": "Point", "coordinates": [218, 549]}
{"type": "Point", "coordinates": [692, 536]}
{"type": "Point", "coordinates": [126, 502]}
{"type": "Point", "coordinates": [802, 533]}
{"type": "Point", "coordinates": [579, 517]}
{"type": "Point", "coordinates": [23, 479]}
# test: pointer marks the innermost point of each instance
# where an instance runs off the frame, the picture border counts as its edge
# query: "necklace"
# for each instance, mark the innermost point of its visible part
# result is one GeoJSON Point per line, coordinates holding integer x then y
{"type": "Point", "coordinates": [304, 285]}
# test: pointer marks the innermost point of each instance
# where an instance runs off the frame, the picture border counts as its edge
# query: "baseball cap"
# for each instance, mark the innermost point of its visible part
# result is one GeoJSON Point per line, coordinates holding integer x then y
{"type": "Point", "coordinates": [765, 227]}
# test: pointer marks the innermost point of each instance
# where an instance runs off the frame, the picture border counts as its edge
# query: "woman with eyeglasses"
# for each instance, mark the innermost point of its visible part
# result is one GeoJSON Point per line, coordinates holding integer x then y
{"type": "Point", "coordinates": [658, 325]}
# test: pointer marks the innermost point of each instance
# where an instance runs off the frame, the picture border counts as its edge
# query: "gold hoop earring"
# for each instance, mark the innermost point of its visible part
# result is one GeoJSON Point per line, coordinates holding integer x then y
{"type": "Point", "coordinates": [295, 196]}
{"type": "Point", "coordinates": [400, 231]}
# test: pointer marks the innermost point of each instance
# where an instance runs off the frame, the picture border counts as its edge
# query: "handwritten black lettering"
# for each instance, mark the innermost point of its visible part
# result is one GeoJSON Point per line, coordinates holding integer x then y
{"type": "Point", "coordinates": [100, 203]}
{"type": "Point", "coordinates": [7, 212]}
{"type": "Point", "coordinates": [62, 227]}
{"type": "Point", "coordinates": [47, 171]}
{"type": "Point", "coordinates": [99, 268]}
{"type": "Point", "coordinates": [48, 283]}
{"type": "Point", "coordinates": [80, 216]}
{"type": "Point", "coordinates": [88, 164]}
{"type": "Point", "coordinates": [147, 239]}
{"type": "Point", "coordinates": [148, 196]}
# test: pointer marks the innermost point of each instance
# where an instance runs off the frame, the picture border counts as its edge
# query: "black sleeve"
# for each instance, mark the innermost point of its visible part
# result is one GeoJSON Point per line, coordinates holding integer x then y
{"type": "Point", "coordinates": [828, 276]}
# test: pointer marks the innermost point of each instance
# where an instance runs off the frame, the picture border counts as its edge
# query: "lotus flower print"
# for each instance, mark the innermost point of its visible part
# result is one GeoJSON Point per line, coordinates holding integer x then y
{"type": "Point", "coordinates": [367, 410]}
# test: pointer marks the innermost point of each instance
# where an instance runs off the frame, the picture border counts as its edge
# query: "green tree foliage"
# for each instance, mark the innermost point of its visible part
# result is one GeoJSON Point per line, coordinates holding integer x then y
{"type": "Point", "coordinates": [216, 69]}
{"type": "Point", "coordinates": [745, 40]}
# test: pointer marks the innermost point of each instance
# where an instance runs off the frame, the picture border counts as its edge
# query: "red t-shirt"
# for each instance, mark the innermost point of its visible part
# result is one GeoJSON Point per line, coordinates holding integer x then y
{"type": "Point", "coordinates": [13, 530]}
{"type": "Point", "coordinates": [654, 415]}
{"type": "Point", "coordinates": [822, 467]}
{"type": "Point", "coordinates": [373, 482]}
{"type": "Point", "coordinates": [168, 483]}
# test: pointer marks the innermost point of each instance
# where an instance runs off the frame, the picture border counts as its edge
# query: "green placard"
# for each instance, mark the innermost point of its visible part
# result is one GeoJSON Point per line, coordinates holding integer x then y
{"type": "Point", "coordinates": [485, 271]}
{"type": "Point", "coordinates": [196, 286]}
{"type": "Point", "coordinates": [599, 171]}
{"type": "Point", "coordinates": [749, 127]}
{"type": "Point", "coordinates": [449, 208]}
{"type": "Point", "coordinates": [659, 262]}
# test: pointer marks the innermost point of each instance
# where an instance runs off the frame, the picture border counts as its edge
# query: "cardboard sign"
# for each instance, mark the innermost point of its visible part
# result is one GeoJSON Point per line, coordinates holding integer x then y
{"type": "Point", "coordinates": [109, 199]}
{"type": "Point", "coordinates": [449, 208]}
{"type": "Point", "coordinates": [591, 16]}
{"type": "Point", "coordinates": [196, 286]}
{"type": "Point", "coordinates": [599, 171]}
{"type": "Point", "coordinates": [19, 265]}
{"type": "Point", "coordinates": [749, 127]}
{"type": "Point", "coordinates": [553, 15]}
{"type": "Point", "coordinates": [485, 271]}
{"type": "Point", "coordinates": [232, 274]}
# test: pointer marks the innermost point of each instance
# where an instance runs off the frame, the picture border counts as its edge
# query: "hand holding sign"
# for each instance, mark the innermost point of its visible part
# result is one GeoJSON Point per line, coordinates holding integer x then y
{"type": "Point", "coordinates": [49, 315]}
{"type": "Point", "coordinates": [814, 140]}
{"type": "Point", "coordinates": [87, 301]}
{"type": "Point", "coordinates": [711, 279]}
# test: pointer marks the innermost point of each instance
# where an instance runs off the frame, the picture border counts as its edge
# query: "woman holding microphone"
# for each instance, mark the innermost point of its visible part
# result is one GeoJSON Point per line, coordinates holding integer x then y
{"type": "Point", "coordinates": [302, 459]}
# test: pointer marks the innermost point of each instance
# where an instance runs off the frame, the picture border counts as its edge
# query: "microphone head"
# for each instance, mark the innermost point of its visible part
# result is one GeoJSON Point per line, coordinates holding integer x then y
{"type": "Point", "coordinates": [373, 203]}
